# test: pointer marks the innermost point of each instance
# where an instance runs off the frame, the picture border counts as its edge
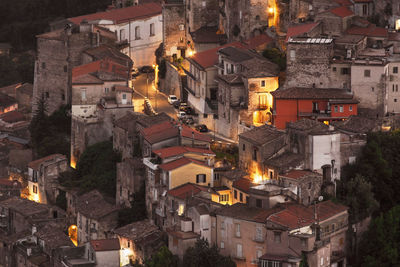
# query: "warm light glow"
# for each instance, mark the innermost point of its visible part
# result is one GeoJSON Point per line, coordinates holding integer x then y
{"type": "Point", "coordinates": [73, 234]}
{"type": "Point", "coordinates": [155, 74]}
{"type": "Point", "coordinates": [256, 174]}
{"type": "Point", "coordinates": [191, 53]}
{"type": "Point", "coordinates": [181, 209]}
{"type": "Point", "coordinates": [34, 197]}
{"type": "Point", "coordinates": [271, 10]}
{"type": "Point", "coordinates": [73, 162]}
{"type": "Point", "coordinates": [273, 13]}
{"type": "Point", "coordinates": [326, 122]}
{"type": "Point", "coordinates": [125, 255]}
{"type": "Point", "coordinates": [398, 24]}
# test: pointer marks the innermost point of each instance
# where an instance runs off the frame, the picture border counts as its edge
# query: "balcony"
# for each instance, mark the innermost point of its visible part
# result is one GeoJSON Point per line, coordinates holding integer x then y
{"type": "Point", "coordinates": [152, 163]}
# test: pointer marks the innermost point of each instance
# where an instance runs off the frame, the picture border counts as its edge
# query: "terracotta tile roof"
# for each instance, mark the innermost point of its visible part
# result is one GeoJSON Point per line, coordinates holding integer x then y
{"type": "Point", "coordinates": [137, 231]}
{"type": "Point", "coordinates": [122, 15]}
{"type": "Point", "coordinates": [356, 124]}
{"type": "Point", "coordinates": [179, 150]}
{"type": "Point", "coordinates": [301, 29]}
{"type": "Point", "coordinates": [160, 132]}
{"type": "Point", "coordinates": [120, 88]}
{"type": "Point", "coordinates": [53, 236]}
{"type": "Point", "coordinates": [93, 205]}
{"type": "Point", "coordinates": [179, 163]}
{"type": "Point", "coordinates": [297, 174]}
{"type": "Point", "coordinates": [188, 132]}
{"type": "Point", "coordinates": [312, 93]}
{"type": "Point", "coordinates": [36, 163]}
{"type": "Point", "coordinates": [262, 135]}
{"type": "Point", "coordinates": [297, 216]}
{"type": "Point", "coordinates": [187, 190]}
{"type": "Point", "coordinates": [209, 57]}
{"type": "Point", "coordinates": [107, 51]}
{"type": "Point", "coordinates": [342, 11]}
{"type": "Point", "coordinates": [243, 184]}
{"type": "Point", "coordinates": [12, 116]}
{"type": "Point", "coordinates": [208, 34]}
{"type": "Point", "coordinates": [103, 65]}
{"type": "Point", "coordinates": [105, 244]}
{"type": "Point", "coordinates": [372, 31]}
{"type": "Point", "coordinates": [25, 207]}
{"type": "Point", "coordinates": [309, 126]}
{"type": "Point", "coordinates": [244, 212]}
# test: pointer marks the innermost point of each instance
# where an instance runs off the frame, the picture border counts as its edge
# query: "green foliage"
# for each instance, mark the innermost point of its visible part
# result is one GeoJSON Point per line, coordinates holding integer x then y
{"type": "Point", "coordinates": [61, 200]}
{"type": "Point", "coordinates": [137, 211]}
{"type": "Point", "coordinates": [162, 69]}
{"type": "Point", "coordinates": [379, 164]}
{"type": "Point", "coordinates": [380, 245]}
{"type": "Point", "coordinates": [159, 54]}
{"type": "Point", "coordinates": [276, 56]}
{"type": "Point", "coordinates": [202, 255]}
{"type": "Point", "coordinates": [97, 168]}
{"type": "Point", "coordinates": [356, 193]}
{"type": "Point", "coordinates": [304, 261]}
{"type": "Point", "coordinates": [163, 258]}
{"type": "Point", "coordinates": [50, 134]}
{"type": "Point", "coordinates": [26, 19]}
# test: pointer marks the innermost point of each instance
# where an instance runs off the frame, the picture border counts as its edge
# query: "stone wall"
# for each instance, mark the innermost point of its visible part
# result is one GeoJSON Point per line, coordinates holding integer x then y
{"type": "Point", "coordinates": [172, 84]}
{"type": "Point", "coordinates": [308, 65]}
{"type": "Point", "coordinates": [174, 33]}
{"type": "Point", "coordinates": [130, 176]}
{"type": "Point", "coordinates": [202, 13]}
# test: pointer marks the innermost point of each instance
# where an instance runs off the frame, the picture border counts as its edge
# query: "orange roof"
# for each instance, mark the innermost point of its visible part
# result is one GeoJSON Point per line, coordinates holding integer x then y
{"type": "Point", "coordinates": [209, 57]}
{"type": "Point", "coordinates": [186, 190]}
{"type": "Point", "coordinates": [160, 132]}
{"type": "Point", "coordinates": [342, 11]}
{"type": "Point", "coordinates": [296, 216]}
{"type": "Point", "coordinates": [36, 163]}
{"type": "Point", "coordinates": [243, 184]}
{"type": "Point", "coordinates": [190, 133]}
{"type": "Point", "coordinates": [106, 65]}
{"type": "Point", "coordinates": [300, 29]}
{"type": "Point", "coordinates": [297, 174]}
{"type": "Point", "coordinates": [121, 88]}
{"type": "Point", "coordinates": [179, 150]}
{"type": "Point", "coordinates": [121, 15]}
{"type": "Point", "coordinates": [179, 163]}
{"type": "Point", "coordinates": [344, 2]}
{"type": "Point", "coordinates": [12, 116]}
{"type": "Point", "coordinates": [371, 30]}
{"type": "Point", "coordinates": [105, 244]}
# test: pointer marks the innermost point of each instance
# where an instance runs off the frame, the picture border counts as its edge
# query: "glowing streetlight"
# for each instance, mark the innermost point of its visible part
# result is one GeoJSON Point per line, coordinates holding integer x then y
{"type": "Point", "coordinates": [191, 53]}
{"type": "Point", "coordinates": [271, 10]}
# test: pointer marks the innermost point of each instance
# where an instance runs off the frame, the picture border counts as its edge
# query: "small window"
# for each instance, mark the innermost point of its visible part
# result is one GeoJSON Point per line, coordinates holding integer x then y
{"type": "Point", "coordinates": [137, 32]}
{"type": "Point", "coordinates": [65, 68]}
{"type": "Point", "coordinates": [395, 100]}
{"type": "Point", "coordinates": [43, 65]}
{"type": "Point", "coordinates": [235, 194]}
{"type": "Point", "coordinates": [205, 116]}
{"type": "Point", "coordinates": [222, 245]}
{"type": "Point", "coordinates": [292, 54]}
{"type": "Point", "coordinates": [34, 189]}
{"type": "Point", "coordinates": [350, 108]}
{"type": "Point", "coordinates": [243, 147]}
{"type": "Point", "coordinates": [345, 71]}
{"type": "Point", "coordinates": [277, 237]}
{"type": "Point", "coordinates": [263, 83]}
{"type": "Point", "coordinates": [336, 108]}
{"type": "Point", "coordinates": [47, 94]}
{"type": "Point", "coordinates": [200, 178]}
{"type": "Point", "coordinates": [241, 197]}
{"type": "Point", "coordinates": [372, 89]}
{"type": "Point", "coordinates": [258, 203]}
{"type": "Point", "coordinates": [106, 90]}
{"type": "Point", "coordinates": [309, 185]}
{"type": "Point", "coordinates": [83, 94]}
{"type": "Point", "coordinates": [255, 154]}
{"type": "Point", "coordinates": [341, 108]}
{"type": "Point", "coordinates": [129, 244]}
{"type": "Point", "coordinates": [122, 35]}
{"type": "Point", "coordinates": [124, 96]}
{"type": "Point", "coordinates": [181, 27]}
{"type": "Point", "coordinates": [334, 69]}
{"type": "Point", "coordinates": [237, 230]}
{"type": "Point", "coordinates": [367, 73]}
{"type": "Point", "coordinates": [152, 31]}
{"type": "Point", "coordinates": [63, 96]}
{"type": "Point", "coordinates": [395, 70]}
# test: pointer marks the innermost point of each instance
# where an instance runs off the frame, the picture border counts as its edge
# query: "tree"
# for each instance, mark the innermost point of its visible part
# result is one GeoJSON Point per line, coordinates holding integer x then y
{"type": "Point", "coordinates": [304, 261]}
{"type": "Point", "coordinates": [356, 193]}
{"type": "Point", "coordinates": [61, 200]}
{"type": "Point", "coordinates": [276, 56]}
{"type": "Point", "coordinates": [163, 258]}
{"type": "Point", "coordinates": [39, 126]}
{"type": "Point", "coordinates": [202, 255]}
{"type": "Point", "coordinates": [380, 245]}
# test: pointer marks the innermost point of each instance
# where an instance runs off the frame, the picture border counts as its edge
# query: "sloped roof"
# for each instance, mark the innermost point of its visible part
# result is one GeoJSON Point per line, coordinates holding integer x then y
{"type": "Point", "coordinates": [24, 206]}
{"type": "Point", "coordinates": [189, 133]}
{"type": "Point", "coordinates": [179, 150]}
{"type": "Point", "coordinates": [36, 163]}
{"type": "Point", "coordinates": [107, 51]}
{"type": "Point", "coordinates": [53, 236]}
{"type": "Point", "coordinates": [207, 34]}
{"type": "Point", "coordinates": [12, 116]}
{"type": "Point", "coordinates": [312, 93]}
{"type": "Point", "coordinates": [342, 11]}
{"type": "Point", "coordinates": [122, 15]}
{"type": "Point", "coordinates": [160, 132]}
{"type": "Point", "coordinates": [372, 31]}
{"type": "Point", "coordinates": [262, 135]}
{"type": "Point", "coordinates": [105, 244]}
{"type": "Point", "coordinates": [243, 184]}
{"type": "Point", "coordinates": [86, 73]}
{"type": "Point", "coordinates": [356, 124]}
{"type": "Point", "coordinates": [309, 126]}
{"type": "Point", "coordinates": [179, 163]}
{"type": "Point", "coordinates": [297, 30]}
{"type": "Point", "coordinates": [244, 212]}
{"type": "Point", "coordinates": [298, 174]}
{"type": "Point", "coordinates": [187, 190]}
{"type": "Point", "coordinates": [137, 230]}
{"type": "Point", "coordinates": [94, 205]}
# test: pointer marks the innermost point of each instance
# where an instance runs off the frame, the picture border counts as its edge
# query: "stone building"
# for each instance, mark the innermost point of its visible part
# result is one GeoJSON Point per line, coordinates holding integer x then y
{"type": "Point", "coordinates": [138, 29]}
{"type": "Point", "coordinates": [139, 241]}
{"type": "Point", "coordinates": [54, 63]}
{"type": "Point", "coordinates": [96, 216]}
{"type": "Point", "coordinates": [130, 179]}
{"type": "Point", "coordinates": [43, 177]}
{"type": "Point", "coordinates": [335, 21]}
{"type": "Point", "coordinates": [104, 252]}
{"type": "Point", "coordinates": [174, 28]}
{"type": "Point", "coordinates": [100, 94]}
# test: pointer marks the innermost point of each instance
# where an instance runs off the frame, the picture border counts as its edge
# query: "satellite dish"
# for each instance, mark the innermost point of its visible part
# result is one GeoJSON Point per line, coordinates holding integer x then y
{"type": "Point", "coordinates": [320, 198]}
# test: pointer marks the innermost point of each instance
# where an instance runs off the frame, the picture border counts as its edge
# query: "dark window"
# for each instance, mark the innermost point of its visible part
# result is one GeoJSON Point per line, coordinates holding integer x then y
{"type": "Point", "coordinates": [62, 96]}
{"type": "Point", "coordinates": [258, 203]}
{"type": "Point", "coordinates": [334, 68]}
{"type": "Point", "coordinates": [372, 89]}
{"type": "Point", "coordinates": [263, 83]}
{"type": "Point", "coordinates": [241, 197]}
{"type": "Point", "coordinates": [345, 71]}
{"type": "Point", "coordinates": [254, 153]}
{"type": "Point", "coordinates": [277, 237]}
{"type": "Point", "coordinates": [205, 115]}
{"type": "Point", "coordinates": [243, 147]}
{"type": "Point", "coordinates": [395, 100]}
{"type": "Point", "coordinates": [309, 185]}
{"type": "Point", "coordinates": [65, 68]}
{"type": "Point", "coordinates": [55, 215]}
{"type": "Point", "coordinates": [365, 10]}
{"type": "Point", "coordinates": [367, 73]}
{"type": "Point", "coordinates": [200, 178]}
{"type": "Point", "coordinates": [395, 70]}
{"type": "Point", "coordinates": [247, 199]}
{"type": "Point", "coordinates": [43, 65]}
{"type": "Point", "coordinates": [235, 194]}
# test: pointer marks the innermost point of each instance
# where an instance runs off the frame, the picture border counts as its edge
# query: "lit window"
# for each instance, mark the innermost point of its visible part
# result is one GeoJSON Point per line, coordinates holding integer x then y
{"type": "Point", "coordinates": [292, 54]}
{"type": "Point", "coordinates": [395, 69]}
{"type": "Point", "coordinates": [341, 108]}
{"type": "Point", "coordinates": [350, 108]}
{"type": "Point", "coordinates": [124, 96]}
{"type": "Point", "coordinates": [181, 209]}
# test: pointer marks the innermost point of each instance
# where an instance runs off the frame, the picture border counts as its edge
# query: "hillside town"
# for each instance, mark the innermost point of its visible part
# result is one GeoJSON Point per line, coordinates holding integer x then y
{"type": "Point", "coordinates": [248, 133]}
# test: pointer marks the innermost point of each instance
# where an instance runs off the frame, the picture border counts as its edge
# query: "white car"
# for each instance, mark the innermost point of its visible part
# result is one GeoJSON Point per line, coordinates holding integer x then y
{"type": "Point", "coordinates": [172, 99]}
{"type": "Point", "coordinates": [181, 114]}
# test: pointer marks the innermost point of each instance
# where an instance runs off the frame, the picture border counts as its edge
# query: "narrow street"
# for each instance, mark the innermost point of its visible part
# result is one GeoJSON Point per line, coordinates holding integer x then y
{"type": "Point", "coordinates": [143, 87]}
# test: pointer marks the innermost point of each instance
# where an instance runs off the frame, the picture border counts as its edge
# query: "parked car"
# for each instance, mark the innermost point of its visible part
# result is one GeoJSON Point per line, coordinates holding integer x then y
{"type": "Point", "coordinates": [176, 104]}
{"type": "Point", "coordinates": [188, 120]}
{"type": "Point", "coordinates": [201, 128]}
{"type": "Point", "coordinates": [146, 69]}
{"type": "Point", "coordinates": [134, 73]}
{"type": "Point", "coordinates": [172, 99]}
{"type": "Point", "coordinates": [182, 106]}
{"type": "Point", "coordinates": [188, 110]}
{"type": "Point", "coordinates": [181, 115]}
